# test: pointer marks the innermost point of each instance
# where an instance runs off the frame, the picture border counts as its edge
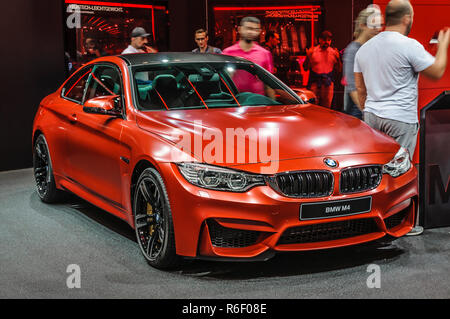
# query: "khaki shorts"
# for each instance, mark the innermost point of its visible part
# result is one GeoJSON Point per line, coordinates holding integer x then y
{"type": "Point", "coordinates": [404, 133]}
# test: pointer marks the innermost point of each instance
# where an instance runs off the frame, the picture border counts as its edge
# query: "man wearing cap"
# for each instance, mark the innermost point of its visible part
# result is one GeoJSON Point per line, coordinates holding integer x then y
{"type": "Point", "coordinates": [139, 42]}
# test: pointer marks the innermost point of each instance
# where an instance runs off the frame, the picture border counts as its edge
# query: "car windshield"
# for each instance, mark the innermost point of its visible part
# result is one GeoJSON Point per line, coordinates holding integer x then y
{"type": "Point", "coordinates": [208, 85]}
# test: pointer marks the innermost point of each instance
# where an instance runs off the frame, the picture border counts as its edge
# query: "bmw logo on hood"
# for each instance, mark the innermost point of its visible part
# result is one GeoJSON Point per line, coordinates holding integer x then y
{"type": "Point", "coordinates": [330, 162]}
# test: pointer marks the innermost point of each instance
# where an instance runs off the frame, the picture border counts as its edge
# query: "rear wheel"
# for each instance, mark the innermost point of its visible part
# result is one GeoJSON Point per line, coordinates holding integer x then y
{"type": "Point", "coordinates": [43, 172]}
{"type": "Point", "coordinates": [153, 221]}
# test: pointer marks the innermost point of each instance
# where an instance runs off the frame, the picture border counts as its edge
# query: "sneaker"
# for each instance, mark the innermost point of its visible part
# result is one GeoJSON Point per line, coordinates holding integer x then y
{"type": "Point", "coordinates": [417, 230]}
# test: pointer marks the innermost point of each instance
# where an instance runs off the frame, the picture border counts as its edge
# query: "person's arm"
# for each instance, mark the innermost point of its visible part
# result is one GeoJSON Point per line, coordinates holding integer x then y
{"type": "Point", "coordinates": [348, 73]}
{"type": "Point", "coordinates": [269, 62]}
{"type": "Point", "coordinates": [437, 69]}
{"type": "Point", "coordinates": [361, 90]}
{"type": "Point", "coordinates": [269, 92]}
{"type": "Point", "coordinates": [355, 99]}
{"type": "Point", "coordinates": [307, 62]}
{"type": "Point", "coordinates": [271, 68]}
{"type": "Point", "coordinates": [149, 49]}
{"type": "Point", "coordinates": [338, 64]}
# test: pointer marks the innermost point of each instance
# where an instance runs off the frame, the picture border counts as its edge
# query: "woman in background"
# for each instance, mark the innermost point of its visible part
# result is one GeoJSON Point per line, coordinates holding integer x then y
{"type": "Point", "coordinates": [367, 25]}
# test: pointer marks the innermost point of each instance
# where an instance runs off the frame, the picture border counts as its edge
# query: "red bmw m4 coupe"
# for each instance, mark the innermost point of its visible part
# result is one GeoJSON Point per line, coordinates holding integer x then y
{"type": "Point", "coordinates": [210, 156]}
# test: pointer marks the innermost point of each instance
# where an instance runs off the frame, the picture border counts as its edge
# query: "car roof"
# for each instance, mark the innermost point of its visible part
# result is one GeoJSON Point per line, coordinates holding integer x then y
{"type": "Point", "coordinates": [178, 57]}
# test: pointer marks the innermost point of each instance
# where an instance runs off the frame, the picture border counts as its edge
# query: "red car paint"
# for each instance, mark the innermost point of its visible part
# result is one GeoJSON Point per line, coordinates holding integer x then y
{"type": "Point", "coordinates": [87, 152]}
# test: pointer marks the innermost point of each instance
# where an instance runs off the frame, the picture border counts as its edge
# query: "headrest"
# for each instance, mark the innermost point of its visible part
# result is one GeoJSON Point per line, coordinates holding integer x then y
{"type": "Point", "coordinates": [194, 78]}
{"type": "Point", "coordinates": [165, 83]}
{"type": "Point", "coordinates": [108, 81]}
{"type": "Point", "coordinates": [206, 85]}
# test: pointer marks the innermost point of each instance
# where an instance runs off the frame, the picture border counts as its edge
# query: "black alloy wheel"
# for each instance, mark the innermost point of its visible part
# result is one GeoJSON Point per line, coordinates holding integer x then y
{"type": "Point", "coordinates": [153, 221]}
{"type": "Point", "coordinates": [43, 172]}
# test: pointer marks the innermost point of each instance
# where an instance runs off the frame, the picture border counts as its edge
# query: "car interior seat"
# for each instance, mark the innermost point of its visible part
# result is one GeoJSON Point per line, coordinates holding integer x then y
{"type": "Point", "coordinates": [164, 92]}
{"type": "Point", "coordinates": [110, 83]}
{"type": "Point", "coordinates": [210, 89]}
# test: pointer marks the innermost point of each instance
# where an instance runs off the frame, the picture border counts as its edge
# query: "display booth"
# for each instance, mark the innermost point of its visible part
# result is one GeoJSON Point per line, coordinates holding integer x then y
{"type": "Point", "coordinates": [296, 26]}
{"type": "Point", "coordinates": [434, 169]}
{"type": "Point", "coordinates": [96, 28]}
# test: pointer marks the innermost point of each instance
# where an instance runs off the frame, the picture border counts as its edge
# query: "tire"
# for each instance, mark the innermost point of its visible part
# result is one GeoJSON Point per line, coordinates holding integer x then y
{"type": "Point", "coordinates": [43, 172]}
{"type": "Point", "coordinates": [153, 221]}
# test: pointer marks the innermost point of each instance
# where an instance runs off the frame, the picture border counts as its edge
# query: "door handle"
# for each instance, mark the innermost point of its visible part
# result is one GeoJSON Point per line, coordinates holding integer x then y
{"type": "Point", "coordinates": [73, 118]}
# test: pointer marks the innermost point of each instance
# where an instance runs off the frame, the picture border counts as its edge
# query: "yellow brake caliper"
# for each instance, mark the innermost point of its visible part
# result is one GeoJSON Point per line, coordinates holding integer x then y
{"type": "Point", "coordinates": [150, 214]}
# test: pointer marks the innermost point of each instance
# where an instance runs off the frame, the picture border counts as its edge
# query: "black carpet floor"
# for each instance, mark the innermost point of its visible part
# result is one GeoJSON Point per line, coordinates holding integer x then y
{"type": "Point", "coordinates": [39, 241]}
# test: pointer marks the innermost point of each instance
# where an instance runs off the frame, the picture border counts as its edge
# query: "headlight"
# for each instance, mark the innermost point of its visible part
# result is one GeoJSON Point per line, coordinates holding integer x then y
{"type": "Point", "coordinates": [399, 165]}
{"type": "Point", "coordinates": [218, 178]}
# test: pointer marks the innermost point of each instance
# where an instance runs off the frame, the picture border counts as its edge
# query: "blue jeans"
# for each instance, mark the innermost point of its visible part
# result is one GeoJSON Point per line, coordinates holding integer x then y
{"type": "Point", "coordinates": [350, 107]}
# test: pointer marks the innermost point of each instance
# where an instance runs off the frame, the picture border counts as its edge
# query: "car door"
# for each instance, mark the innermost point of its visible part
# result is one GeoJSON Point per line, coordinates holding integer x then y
{"type": "Point", "coordinates": [71, 95]}
{"type": "Point", "coordinates": [94, 140]}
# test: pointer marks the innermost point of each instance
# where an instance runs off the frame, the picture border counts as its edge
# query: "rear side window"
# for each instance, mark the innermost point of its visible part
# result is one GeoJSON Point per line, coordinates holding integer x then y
{"type": "Point", "coordinates": [74, 88]}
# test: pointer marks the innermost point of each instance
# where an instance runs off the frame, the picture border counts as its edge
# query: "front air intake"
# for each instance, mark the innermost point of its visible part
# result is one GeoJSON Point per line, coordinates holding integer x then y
{"type": "Point", "coordinates": [396, 219]}
{"type": "Point", "coordinates": [229, 237]}
{"type": "Point", "coordinates": [328, 231]}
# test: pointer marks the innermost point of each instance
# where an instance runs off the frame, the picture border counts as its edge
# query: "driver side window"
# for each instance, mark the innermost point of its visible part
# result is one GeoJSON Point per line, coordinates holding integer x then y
{"type": "Point", "coordinates": [104, 80]}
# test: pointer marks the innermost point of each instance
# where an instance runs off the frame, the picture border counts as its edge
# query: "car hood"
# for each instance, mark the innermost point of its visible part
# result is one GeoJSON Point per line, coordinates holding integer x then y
{"type": "Point", "coordinates": [291, 132]}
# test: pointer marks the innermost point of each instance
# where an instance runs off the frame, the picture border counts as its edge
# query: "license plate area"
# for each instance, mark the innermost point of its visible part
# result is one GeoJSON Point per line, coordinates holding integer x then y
{"type": "Point", "coordinates": [336, 208]}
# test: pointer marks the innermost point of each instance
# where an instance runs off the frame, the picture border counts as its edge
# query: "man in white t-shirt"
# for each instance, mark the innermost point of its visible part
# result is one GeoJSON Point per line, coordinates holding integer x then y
{"type": "Point", "coordinates": [387, 69]}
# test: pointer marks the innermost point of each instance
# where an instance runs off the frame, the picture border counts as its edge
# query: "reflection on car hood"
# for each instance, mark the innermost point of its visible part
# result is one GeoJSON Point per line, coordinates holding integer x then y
{"type": "Point", "coordinates": [296, 131]}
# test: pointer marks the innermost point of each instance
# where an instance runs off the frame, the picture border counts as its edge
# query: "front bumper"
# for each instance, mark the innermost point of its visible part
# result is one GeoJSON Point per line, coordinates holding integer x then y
{"type": "Point", "coordinates": [254, 224]}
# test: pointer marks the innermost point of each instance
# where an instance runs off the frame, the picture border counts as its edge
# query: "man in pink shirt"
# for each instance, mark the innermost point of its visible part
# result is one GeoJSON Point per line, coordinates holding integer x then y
{"type": "Point", "coordinates": [247, 48]}
{"type": "Point", "coordinates": [322, 60]}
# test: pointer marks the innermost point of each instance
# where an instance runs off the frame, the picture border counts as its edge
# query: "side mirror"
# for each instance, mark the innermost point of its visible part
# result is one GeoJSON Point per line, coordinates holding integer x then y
{"type": "Point", "coordinates": [104, 105]}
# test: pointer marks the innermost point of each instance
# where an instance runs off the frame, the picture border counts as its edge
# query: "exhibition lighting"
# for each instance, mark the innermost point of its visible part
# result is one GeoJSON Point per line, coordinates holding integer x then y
{"type": "Point", "coordinates": [125, 5]}
{"type": "Point", "coordinates": [264, 8]}
{"type": "Point", "coordinates": [313, 11]}
{"type": "Point", "coordinates": [115, 4]}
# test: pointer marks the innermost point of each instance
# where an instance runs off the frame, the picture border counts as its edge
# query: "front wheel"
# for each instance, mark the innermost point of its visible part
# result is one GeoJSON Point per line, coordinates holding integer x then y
{"type": "Point", "coordinates": [43, 172]}
{"type": "Point", "coordinates": [153, 221]}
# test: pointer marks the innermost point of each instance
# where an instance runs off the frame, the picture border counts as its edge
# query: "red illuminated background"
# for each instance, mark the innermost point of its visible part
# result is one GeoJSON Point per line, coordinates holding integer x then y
{"type": "Point", "coordinates": [39, 64]}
